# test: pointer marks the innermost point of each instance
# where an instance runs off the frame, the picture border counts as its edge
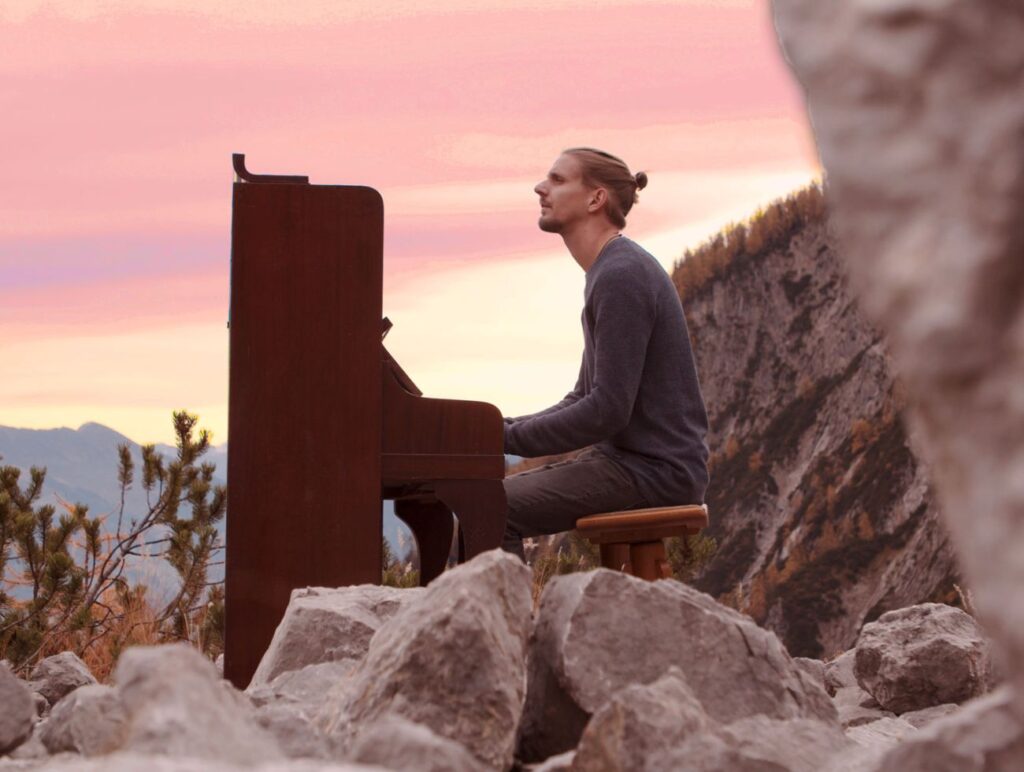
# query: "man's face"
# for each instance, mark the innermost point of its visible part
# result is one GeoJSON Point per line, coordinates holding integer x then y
{"type": "Point", "coordinates": [564, 198]}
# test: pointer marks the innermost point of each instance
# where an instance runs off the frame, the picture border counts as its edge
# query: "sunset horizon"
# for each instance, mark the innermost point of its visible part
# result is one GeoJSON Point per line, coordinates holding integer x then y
{"type": "Point", "coordinates": [115, 238]}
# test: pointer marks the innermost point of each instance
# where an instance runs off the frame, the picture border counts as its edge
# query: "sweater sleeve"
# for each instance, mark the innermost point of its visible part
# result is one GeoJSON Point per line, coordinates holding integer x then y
{"type": "Point", "coordinates": [623, 313]}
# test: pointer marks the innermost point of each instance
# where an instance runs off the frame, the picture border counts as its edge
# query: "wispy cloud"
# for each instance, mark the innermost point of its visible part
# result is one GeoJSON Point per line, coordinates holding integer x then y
{"type": "Point", "coordinates": [122, 115]}
{"type": "Point", "coordinates": [308, 12]}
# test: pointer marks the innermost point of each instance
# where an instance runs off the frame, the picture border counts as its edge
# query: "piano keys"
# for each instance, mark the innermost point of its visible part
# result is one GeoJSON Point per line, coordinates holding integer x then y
{"type": "Point", "coordinates": [324, 423]}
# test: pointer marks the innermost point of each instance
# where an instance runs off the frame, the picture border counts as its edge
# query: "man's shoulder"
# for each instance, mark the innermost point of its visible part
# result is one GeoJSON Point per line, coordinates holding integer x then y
{"type": "Point", "coordinates": [625, 260]}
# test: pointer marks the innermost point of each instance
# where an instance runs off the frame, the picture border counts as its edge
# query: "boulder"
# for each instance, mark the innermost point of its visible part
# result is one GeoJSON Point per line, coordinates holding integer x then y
{"type": "Point", "coordinates": [136, 762]}
{"type": "Point", "coordinates": [178, 705]}
{"type": "Point", "coordinates": [855, 707]}
{"type": "Point", "coordinates": [638, 722]}
{"type": "Point", "coordinates": [599, 632]}
{"type": "Point", "coordinates": [31, 750]}
{"type": "Point", "coordinates": [868, 743]}
{"type": "Point", "coordinates": [815, 668]}
{"type": "Point", "coordinates": [452, 660]}
{"type": "Point", "coordinates": [922, 656]}
{"type": "Point", "coordinates": [42, 705]}
{"type": "Point", "coordinates": [328, 625]}
{"type": "Point", "coordinates": [880, 735]}
{"type": "Point", "coordinates": [921, 718]}
{"type": "Point", "coordinates": [917, 116]}
{"type": "Point", "coordinates": [59, 675]}
{"type": "Point", "coordinates": [296, 734]}
{"type": "Point", "coordinates": [985, 735]}
{"type": "Point", "coordinates": [90, 720]}
{"type": "Point", "coordinates": [307, 688]}
{"type": "Point", "coordinates": [560, 763]}
{"type": "Point", "coordinates": [755, 744]}
{"type": "Point", "coordinates": [396, 743]}
{"type": "Point", "coordinates": [839, 672]}
{"type": "Point", "coordinates": [18, 713]}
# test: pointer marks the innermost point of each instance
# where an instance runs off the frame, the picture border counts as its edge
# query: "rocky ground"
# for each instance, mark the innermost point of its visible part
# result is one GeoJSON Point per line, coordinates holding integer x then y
{"type": "Point", "coordinates": [609, 673]}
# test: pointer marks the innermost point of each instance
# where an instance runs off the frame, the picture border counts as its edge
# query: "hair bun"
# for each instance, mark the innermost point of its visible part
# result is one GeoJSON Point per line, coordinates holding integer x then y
{"type": "Point", "coordinates": [641, 180]}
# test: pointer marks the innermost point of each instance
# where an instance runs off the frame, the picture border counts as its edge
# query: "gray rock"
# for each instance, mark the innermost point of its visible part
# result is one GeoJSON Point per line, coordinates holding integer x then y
{"type": "Point", "coordinates": [815, 668]}
{"type": "Point", "coordinates": [90, 720]}
{"type": "Point", "coordinates": [328, 625]}
{"type": "Point", "coordinates": [638, 722]}
{"type": "Point", "coordinates": [18, 713]}
{"type": "Point", "coordinates": [397, 743]}
{"type": "Point", "coordinates": [918, 115]}
{"type": "Point", "coordinates": [921, 718]}
{"type": "Point", "coordinates": [983, 736]}
{"type": "Point", "coordinates": [178, 705]}
{"type": "Point", "coordinates": [755, 744]}
{"type": "Point", "coordinates": [560, 763]}
{"type": "Point", "coordinates": [839, 672]}
{"type": "Point", "coordinates": [42, 705]}
{"type": "Point", "coordinates": [59, 675]}
{"type": "Point", "coordinates": [296, 734]}
{"type": "Point", "coordinates": [880, 735]}
{"type": "Point", "coordinates": [307, 688]}
{"type": "Point", "coordinates": [135, 762]}
{"type": "Point", "coordinates": [856, 707]}
{"type": "Point", "coordinates": [598, 632]}
{"type": "Point", "coordinates": [922, 656]}
{"type": "Point", "coordinates": [452, 660]}
{"type": "Point", "coordinates": [32, 749]}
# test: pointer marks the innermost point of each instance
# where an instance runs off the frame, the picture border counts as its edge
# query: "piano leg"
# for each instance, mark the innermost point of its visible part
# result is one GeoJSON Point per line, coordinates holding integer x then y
{"type": "Point", "coordinates": [481, 508]}
{"type": "Point", "coordinates": [432, 525]}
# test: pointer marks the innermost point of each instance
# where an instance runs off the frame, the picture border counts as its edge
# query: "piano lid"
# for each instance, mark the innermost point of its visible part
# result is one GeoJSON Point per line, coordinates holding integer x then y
{"type": "Point", "coordinates": [244, 175]}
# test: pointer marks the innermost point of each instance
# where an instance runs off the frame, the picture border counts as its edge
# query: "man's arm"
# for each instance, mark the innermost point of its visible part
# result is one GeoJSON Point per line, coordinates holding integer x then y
{"type": "Point", "coordinates": [624, 312]}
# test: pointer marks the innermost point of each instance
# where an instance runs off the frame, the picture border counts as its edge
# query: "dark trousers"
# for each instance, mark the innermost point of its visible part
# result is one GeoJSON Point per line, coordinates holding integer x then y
{"type": "Point", "coordinates": [550, 498]}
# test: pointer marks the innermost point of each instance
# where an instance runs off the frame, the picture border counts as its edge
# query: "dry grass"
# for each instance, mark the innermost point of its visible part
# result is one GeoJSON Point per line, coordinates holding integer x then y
{"type": "Point", "coordinates": [135, 624]}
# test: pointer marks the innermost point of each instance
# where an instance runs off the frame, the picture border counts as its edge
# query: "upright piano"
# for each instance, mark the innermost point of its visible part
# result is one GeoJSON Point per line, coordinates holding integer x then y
{"type": "Point", "coordinates": [324, 423]}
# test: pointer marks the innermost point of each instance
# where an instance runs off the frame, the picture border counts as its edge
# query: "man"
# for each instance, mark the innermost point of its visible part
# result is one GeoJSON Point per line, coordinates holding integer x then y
{"type": "Point", "coordinates": [637, 405]}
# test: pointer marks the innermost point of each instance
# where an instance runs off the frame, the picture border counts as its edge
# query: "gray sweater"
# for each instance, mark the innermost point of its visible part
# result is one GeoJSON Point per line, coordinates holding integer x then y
{"type": "Point", "coordinates": [637, 397]}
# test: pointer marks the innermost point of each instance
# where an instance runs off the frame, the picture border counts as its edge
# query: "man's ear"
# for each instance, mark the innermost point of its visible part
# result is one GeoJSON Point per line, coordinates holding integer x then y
{"type": "Point", "coordinates": [598, 198]}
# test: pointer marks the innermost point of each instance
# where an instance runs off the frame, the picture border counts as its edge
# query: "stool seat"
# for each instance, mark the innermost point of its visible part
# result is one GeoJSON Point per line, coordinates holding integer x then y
{"type": "Point", "coordinates": [655, 523]}
{"type": "Point", "coordinates": [631, 540]}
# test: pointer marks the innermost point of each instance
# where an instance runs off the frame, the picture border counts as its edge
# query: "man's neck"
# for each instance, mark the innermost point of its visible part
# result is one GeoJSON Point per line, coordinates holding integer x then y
{"type": "Point", "coordinates": [586, 242]}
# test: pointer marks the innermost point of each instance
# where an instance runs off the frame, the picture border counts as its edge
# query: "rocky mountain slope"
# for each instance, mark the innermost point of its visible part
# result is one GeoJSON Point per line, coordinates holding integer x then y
{"type": "Point", "coordinates": [823, 514]}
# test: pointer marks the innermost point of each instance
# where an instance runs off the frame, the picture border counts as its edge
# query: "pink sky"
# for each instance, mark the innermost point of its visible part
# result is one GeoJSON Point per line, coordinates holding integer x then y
{"type": "Point", "coordinates": [120, 118]}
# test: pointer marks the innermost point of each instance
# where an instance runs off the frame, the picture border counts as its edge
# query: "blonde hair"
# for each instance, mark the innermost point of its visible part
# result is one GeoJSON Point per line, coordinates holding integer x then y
{"type": "Point", "coordinates": [603, 170]}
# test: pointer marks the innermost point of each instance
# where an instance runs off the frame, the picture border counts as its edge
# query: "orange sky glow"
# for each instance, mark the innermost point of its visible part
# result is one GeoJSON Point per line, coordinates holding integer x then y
{"type": "Point", "coordinates": [121, 117]}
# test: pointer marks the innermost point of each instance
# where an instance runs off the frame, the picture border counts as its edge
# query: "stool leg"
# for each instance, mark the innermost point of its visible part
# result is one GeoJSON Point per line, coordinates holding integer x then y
{"type": "Point", "coordinates": [648, 558]}
{"type": "Point", "coordinates": [615, 557]}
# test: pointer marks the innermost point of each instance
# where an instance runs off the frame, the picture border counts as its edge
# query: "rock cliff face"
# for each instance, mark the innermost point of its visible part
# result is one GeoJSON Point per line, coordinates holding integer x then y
{"type": "Point", "coordinates": [918, 118]}
{"type": "Point", "coordinates": [823, 514]}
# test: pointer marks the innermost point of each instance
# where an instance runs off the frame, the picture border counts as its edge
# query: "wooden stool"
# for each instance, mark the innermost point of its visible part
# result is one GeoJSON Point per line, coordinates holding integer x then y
{"type": "Point", "coordinates": [631, 541]}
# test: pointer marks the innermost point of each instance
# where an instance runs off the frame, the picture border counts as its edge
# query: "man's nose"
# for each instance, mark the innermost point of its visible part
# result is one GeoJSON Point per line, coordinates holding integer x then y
{"type": "Point", "coordinates": [539, 188]}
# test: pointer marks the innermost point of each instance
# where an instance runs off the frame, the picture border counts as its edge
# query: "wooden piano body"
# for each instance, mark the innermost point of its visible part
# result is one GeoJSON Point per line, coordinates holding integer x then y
{"type": "Point", "coordinates": [323, 423]}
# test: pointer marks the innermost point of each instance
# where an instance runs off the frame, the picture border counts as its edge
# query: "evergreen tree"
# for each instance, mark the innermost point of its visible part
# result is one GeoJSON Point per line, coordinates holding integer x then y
{"type": "Point", "coordinates": [74, 573]}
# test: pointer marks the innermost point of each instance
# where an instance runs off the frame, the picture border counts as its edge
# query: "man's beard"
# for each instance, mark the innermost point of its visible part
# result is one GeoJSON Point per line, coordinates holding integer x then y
{"type": "Point", "coordinates": [548, 225]}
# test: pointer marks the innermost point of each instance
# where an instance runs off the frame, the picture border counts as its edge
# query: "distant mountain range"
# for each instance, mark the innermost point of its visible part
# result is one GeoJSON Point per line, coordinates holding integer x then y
{"type": "Point", "coordinates": [81, 467]}
{"type": "Point", "coordinates": [81, 464]}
